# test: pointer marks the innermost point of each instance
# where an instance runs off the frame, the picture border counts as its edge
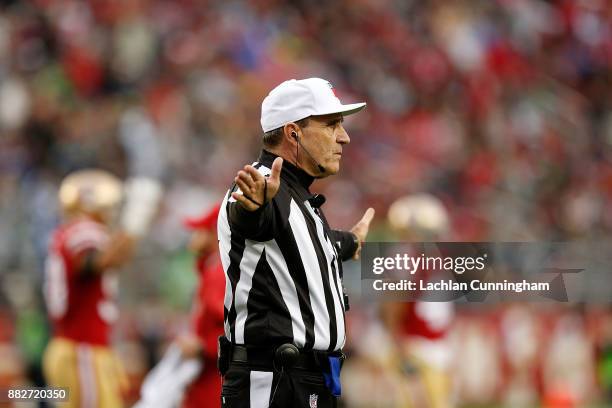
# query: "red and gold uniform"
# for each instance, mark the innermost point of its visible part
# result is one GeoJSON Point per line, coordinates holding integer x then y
{"type": "Point", "coordinates": [82, 309]}
{"type": "Point", "coordinates": [424, 341]}
{"type": "Point", "coordinates": [421, 328]}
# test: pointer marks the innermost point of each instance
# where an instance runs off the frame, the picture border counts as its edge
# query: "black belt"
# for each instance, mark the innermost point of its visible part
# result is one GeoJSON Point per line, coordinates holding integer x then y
{"type": "Point", "coordinates": [264, 357]}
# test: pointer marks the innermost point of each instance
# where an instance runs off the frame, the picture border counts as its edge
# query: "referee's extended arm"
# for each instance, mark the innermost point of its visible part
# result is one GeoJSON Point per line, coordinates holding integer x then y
{"type": "Point", "coordinates": [257, 191]}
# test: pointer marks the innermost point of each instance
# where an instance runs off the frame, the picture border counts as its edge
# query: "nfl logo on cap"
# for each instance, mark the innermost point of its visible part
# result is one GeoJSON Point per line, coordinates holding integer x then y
{"type": "Point", "coordinates": [332, 89]}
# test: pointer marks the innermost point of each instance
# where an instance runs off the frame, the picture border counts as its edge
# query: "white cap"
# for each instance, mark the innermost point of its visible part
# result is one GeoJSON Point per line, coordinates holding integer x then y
{"type": "Point", "coordinates": [294, 100]}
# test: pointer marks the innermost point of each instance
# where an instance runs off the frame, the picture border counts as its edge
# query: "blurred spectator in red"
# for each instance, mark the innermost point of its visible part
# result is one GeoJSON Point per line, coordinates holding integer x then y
{"type": "Point", "coordinates": [207, 312]}
{"type": "Point", "coordinates": [188, 371]}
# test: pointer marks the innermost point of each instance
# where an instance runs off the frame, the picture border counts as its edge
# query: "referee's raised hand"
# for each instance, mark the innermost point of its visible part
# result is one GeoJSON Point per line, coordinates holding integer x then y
{"type": "Point", "coordinates": [361, 230]}
{"type": "Point", "coordinates": [256, 189]}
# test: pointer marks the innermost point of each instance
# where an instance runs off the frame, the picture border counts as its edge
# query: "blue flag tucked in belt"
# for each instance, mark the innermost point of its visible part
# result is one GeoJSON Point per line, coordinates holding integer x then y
{"type": "Point", "coordinates": [332, 378]}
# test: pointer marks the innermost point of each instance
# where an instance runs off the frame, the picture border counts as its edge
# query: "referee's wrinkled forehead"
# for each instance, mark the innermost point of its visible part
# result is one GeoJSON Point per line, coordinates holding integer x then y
{"type": "Point", "coordinates": [294, 100]}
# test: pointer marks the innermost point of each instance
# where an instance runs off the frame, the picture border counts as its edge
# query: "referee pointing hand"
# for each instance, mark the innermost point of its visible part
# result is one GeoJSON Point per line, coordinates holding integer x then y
{"type": "Point", "coordinates": [284, 300]}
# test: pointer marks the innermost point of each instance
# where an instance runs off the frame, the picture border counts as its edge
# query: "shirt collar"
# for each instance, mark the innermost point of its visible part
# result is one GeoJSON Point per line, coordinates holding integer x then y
{"type": "Point", "coordinates": [289, 170]}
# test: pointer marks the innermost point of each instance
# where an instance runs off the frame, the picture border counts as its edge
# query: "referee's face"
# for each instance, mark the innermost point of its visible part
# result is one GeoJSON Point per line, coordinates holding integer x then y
{"type": "Point", "coordinates": [324, 137]}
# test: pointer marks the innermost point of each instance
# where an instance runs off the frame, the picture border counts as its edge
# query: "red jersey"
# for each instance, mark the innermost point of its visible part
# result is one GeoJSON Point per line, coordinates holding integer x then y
{"type": "Point", "coordinates": [207, 323]}
{"type": "Point", "coordinates": [429, 320]}
{"type": "Point", "coordinates": [82, 308]}
{"type": "Point", "coordinates": [207, 314]}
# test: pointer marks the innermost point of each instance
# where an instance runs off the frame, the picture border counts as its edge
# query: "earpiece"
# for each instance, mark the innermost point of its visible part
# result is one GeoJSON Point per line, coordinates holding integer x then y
{"type": "Point", "coordinates": [297, 139]}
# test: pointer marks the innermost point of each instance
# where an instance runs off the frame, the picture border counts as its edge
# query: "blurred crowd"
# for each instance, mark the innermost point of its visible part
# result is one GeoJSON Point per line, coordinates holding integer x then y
{"type": "Point", "coordinates": [501, 109]}
{"type": "Point", "coordinates": [512, 355]}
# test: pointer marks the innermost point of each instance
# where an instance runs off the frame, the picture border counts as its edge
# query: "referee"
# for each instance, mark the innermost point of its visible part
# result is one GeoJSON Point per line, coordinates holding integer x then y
{"type": "Point", "coordinates": [284, 301]}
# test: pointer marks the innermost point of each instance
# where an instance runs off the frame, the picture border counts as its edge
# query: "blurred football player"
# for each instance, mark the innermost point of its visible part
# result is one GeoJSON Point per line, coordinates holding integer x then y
{"type": "Point", "coordinates": [420, 328]}
{"type": "Point", "coordinates": [188, 372]}
{"type": "Point", "coordinates": [81, 282]}
{"type": "Point", "coordinates": [207, 311]}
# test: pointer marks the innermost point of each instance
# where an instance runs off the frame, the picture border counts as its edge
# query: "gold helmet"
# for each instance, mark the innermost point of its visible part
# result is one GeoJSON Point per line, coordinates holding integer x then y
{"type": "Point", "coordinates": [90, 191]}
{"type": "Point", "coordinates": [419, 216]}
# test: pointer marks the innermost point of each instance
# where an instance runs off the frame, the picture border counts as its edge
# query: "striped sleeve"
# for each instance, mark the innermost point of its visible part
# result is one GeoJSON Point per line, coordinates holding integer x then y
{"type": "Point", "coordinates": [256, 225]}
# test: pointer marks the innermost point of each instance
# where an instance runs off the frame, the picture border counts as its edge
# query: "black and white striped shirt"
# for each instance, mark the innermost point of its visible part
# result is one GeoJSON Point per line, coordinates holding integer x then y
{"type": "Point", "coordinates": [283, 268]}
